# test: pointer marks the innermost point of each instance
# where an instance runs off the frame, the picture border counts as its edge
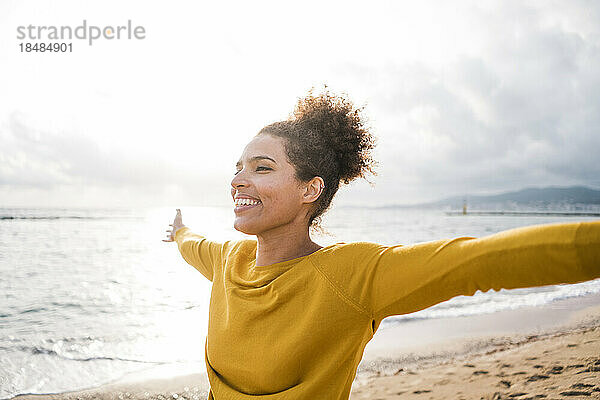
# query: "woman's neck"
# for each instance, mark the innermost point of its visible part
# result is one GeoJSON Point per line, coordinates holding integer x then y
{"type": "Point", "coordinates": [283, 244]}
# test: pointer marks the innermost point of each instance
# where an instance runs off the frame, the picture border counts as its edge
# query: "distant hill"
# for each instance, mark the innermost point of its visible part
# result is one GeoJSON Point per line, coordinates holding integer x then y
{"type": "Point", "coordinates": [552, 196]}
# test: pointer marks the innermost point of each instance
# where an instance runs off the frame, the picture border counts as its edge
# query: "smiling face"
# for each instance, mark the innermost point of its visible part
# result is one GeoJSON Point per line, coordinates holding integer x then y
{"type": "Point", "coordinates": [265, 190]}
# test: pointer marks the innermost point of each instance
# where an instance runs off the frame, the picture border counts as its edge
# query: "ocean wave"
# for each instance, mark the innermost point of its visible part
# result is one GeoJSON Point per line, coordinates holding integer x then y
{"type": "Point", "coordinates": [66, 305]}
{"type": "Point", "coordinates": [504, 300]}
{"type": "Point", "coordinates": [55, 217]}
{"type": "Point", "coordinates": [48, 217]}
{"type": "Point", "coordinates": [33, 310]}
{"type": "Point", "coordinates": [51, 352]}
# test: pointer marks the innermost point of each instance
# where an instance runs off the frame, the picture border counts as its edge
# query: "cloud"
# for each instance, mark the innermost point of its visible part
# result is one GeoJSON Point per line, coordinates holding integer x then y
{"type": "Point", "coordinates": [466, 98]}
{"type": "Point", "coordinates": [520, 111]}
{"type": "Point", "coordinates": [44, 159]}
{"type": "Point", "coordinates": [47, 162]}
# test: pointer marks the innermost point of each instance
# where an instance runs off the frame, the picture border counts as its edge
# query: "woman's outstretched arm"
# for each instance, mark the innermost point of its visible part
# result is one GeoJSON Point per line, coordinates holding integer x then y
{"type": "Point", "coordinates": [404, 279]}
{"type": "Point", "coordinates": [204, 255]}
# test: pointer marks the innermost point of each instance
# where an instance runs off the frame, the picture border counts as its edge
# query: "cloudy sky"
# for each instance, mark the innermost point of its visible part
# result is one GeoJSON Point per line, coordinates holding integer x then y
{"type": "Point", "coordinates": [464, 97]}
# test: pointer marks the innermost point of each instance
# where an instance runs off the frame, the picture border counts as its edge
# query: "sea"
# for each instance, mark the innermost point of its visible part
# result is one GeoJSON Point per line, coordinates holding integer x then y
{"type": "Point", "coordinates": [90, 295]}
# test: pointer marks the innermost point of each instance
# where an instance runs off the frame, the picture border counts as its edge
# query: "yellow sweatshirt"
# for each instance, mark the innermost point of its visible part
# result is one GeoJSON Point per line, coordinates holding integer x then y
{"type": "Point", "coordinates": [297, 329]}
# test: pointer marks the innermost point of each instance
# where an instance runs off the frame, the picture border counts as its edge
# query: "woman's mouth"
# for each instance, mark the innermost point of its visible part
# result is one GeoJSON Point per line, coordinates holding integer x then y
{"type": "Point", "coordinates": [242, 204]}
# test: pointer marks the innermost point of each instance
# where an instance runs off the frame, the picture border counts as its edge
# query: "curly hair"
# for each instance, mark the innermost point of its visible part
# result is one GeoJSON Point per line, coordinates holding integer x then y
{"type": "Point", "coordinates": [326, 136]}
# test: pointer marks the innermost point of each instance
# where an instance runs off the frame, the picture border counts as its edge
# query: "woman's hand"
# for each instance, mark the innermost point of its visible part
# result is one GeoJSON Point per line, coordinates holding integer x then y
{"type": "Point", "coordinates": [176, 225]}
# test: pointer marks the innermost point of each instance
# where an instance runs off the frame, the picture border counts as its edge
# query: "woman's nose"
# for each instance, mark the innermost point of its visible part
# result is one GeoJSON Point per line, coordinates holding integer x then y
{"type": "Point", "coordinates": [238, 180]}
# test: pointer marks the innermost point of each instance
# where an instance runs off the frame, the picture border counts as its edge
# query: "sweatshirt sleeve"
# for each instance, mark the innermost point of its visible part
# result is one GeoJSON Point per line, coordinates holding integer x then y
{"type": "Point", "coordinates": [199, 252]}
{"type": "Point", "coordinates": [404, 279]}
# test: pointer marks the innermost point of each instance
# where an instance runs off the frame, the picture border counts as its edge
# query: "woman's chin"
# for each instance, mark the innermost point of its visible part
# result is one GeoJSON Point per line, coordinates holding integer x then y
{"type": "Point", "coordinates": [240, 226]}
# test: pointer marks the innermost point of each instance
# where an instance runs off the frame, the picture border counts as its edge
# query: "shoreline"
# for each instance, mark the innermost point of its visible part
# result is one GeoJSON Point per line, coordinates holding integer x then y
{"type": "Point", "coordinates": [415, 356]}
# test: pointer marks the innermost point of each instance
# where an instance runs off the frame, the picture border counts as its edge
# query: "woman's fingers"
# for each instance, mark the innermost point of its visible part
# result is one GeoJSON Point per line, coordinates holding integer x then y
{"type": "Point", "coordinates": [178, 217]}
{"type": "Point", "coordinates": [177, 221]}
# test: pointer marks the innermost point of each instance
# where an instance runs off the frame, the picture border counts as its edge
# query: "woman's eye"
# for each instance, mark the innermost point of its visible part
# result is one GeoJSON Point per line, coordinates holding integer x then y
{"type": "Point", "coordinates": [260, 168]}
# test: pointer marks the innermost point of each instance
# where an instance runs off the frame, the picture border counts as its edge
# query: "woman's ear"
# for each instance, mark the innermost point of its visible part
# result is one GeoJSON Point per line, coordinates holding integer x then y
{"type": "Point", "coordinates": [313, 189]}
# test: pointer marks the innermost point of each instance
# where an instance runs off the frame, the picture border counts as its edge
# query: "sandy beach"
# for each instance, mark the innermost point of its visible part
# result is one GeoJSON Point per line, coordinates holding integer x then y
{"type": "Point", "coordinates": [564, 365]}
{"type": "Point", "coordinates": [560, 365]}
{"type": "Point", "coordinates": [549, 352]}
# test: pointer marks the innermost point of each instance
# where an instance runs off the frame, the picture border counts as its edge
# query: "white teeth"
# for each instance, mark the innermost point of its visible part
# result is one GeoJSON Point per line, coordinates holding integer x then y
{"type": "Point", "coordinates": [246, 202]}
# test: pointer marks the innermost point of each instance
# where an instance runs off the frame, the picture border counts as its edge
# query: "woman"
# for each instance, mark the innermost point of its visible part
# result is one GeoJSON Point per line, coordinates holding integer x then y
{"type": "Point", "coordinates": [289, 319]}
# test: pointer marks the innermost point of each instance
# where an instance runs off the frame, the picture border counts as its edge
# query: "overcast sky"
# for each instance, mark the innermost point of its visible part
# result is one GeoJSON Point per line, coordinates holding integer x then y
{"type": "Point", "coordinates": [464, 97]}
